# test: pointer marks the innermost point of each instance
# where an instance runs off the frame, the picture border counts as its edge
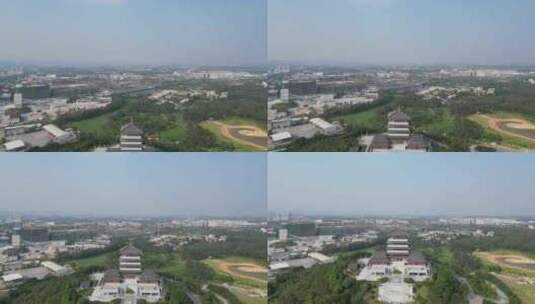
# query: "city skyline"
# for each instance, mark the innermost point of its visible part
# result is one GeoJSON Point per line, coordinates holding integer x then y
{"type": "Point", "coordinates": [349, 185]}
{"type": "Point", "coordinates": [401, 32]}
{"type": "Point", "coordinates": [133, 185]}
{"type": "Point", "coordinates": [134, 32]}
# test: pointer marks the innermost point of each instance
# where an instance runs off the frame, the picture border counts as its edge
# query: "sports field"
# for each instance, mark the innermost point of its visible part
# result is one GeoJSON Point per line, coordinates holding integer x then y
{"type": "Point", "coordinates": [515, 130]}
{"type": "Point", "coordinates": [240, 269]}
{"type": "Point", "coordinates": [250, 279]}
{"type": "Point", "coordinates": [509, 260]}
{"type": "Point", "coordinates": [243, 136]}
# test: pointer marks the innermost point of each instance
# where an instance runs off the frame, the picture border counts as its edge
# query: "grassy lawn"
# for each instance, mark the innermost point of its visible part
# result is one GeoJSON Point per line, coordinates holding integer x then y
{"type": "Point", "coordinates": [238, 121]}
{"type": "Point", "coordinates": [167, 264]}
{"type": "Point", "coordinates": [515, 278]}
{"type": "Point", "coordinates": [526, 292]}
{"type": "Point", "coordinates": [104, 260]}
{"type": "Point", "coordinates": [436, 122]}
{"type": "Point", "coordinates": [422, 293]}
{"type": "Point", "coordinates": [246, 298]}
{"type": "Point", "coordinates": [177, 133]}
{"type": "Point", "coordinates": [100, 126]}
{"type": "Point", "coordinates": [371, 119]}
{"type": "Point", "coordinates": [236, 259]}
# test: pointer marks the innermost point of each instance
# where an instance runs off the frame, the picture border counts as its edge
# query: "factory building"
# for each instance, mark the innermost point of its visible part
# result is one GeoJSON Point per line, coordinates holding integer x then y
{"type": "Point", "coordinates": [58, 135]}
{"type": "Point", "coordinates": [34, 235]}
{"type": "Point", "coordinates": [280, 139]}
{"type": "Point", "coordinates": [37, 91]}
{"type": "Point", "coordinates": [297, 87]}
{"type": "Point", "coordinates": [14, 146]}
{"type": "Point", "coordinates": [326, 128]}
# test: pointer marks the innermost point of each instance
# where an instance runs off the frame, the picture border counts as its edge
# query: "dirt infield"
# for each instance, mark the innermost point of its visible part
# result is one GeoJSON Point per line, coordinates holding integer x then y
{"type": "Point", "coordinates": [243, 270]}
{"type": "Point", "coordinates": [511, 126]}
{"type": "Point", "coordinates": [244, 134]}
{"type": "Point", "coordinates": [509, 260]}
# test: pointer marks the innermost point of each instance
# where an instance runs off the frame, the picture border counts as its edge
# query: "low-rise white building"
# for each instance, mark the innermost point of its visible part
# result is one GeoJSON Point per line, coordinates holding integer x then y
{"type": "Point", "coordinates": [14, 145]}
{"type": "Point", "coordinates": [56, 269]}
{"type": "Point", "coordinates": [321, 257]}
{"type": "Point", "coordinates": [282, 138]}
{"type": "Point", "coordinates": [326, 128]}
{"type": "Point", "coordinates": [59, 136]}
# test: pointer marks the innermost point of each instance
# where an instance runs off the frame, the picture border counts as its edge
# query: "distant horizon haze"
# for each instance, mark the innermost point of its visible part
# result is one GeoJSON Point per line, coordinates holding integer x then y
{"type": "Point", "coordinates": [437, 184]}
{"type": "Point", "coordinates": [99, 32]}
{"type": "Point", "coordinates": [401, 32]}
{"type": "Point", "coordinates": [134, 185]}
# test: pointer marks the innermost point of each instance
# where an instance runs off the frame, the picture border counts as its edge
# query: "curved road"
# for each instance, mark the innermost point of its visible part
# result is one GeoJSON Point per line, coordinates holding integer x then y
{"type": "Point", "coordinates": [474, 298]}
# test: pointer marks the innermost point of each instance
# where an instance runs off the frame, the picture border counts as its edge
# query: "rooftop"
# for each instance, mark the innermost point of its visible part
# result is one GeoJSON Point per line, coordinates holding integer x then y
{"type": "Point", "coordinates": [416, 258]}
{"type": "Point", "coordinates": [12, 277]}
{"type": "Point", "coordinates": [379, 257]}
{"type": "Point", "coordinates": [14, 145]}
{"type": "Point", "coordinates": [55, 131]}
{"type": "Point", "coordinates": [131, 251]}
{"type": "Point", "coordinates": [397, 115]}
{"type": "Point", "coordinates": [380, 141]}
{"type": "Point", "coordinates": [149, 276]}
{"type": "Point", "coordinates": [130, 129]}
{"type": "Point", "coordinates": [417, 142]}
{"type": "Point", "coordinates": [281, 136]}
{"type": "Point", "coordinates": [112, 276]}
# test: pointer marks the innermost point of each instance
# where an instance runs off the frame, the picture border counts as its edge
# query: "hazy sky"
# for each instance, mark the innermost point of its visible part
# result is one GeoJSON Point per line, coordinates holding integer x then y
{"type": "Point", "coordinates": [207, 32]}
{"type": "Point", "coordinates": [488, 32]}
{"type": "Point", "coordinates": [402, 184]}
{"type": "Point", "coordinates": [175, 184]}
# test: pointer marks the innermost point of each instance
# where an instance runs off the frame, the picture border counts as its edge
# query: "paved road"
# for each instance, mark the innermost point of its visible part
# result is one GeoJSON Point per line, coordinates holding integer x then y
{"type": "Point", "coordinates": [220, 298]}
{"type": "Point", "coordinates": [473, 298]}
{"type": "Point", "coordinates": [194, 297]}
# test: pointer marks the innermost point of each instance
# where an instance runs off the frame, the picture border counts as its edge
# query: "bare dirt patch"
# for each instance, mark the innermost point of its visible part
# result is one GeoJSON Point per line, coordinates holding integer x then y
{"type": "Point", "coordinates": [244, 134]}
{"type": "Point", "coordinates": [509, 260]}
{"type": "Point", "coordinates": [512, 126]}
{"type": "Point", "coordinates": [243, 270]}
